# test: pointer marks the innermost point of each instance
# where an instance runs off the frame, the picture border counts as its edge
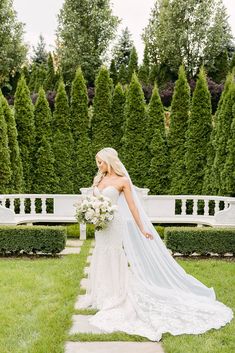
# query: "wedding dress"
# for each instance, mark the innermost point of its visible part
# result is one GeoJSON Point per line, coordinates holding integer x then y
{"type": "Point", "coordinates": [138, 299]}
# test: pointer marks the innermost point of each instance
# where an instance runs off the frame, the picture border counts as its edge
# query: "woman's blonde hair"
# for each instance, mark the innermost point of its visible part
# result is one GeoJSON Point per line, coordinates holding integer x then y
{"type": "Point", "coordinates": [110, 156]}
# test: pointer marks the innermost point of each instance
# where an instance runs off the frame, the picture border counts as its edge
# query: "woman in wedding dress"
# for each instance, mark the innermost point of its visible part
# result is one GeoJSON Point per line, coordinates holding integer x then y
{"type": "Point", "coordinates": [134, 282]}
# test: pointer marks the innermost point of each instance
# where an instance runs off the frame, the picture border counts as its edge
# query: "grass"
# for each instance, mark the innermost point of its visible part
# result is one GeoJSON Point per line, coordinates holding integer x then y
{"type": "Point", "coordinates": [37, 301]}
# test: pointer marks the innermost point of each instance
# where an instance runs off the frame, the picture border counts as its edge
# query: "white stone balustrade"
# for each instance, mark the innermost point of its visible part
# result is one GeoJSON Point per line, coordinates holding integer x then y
{"type": "Point", "coordinates": [59, 208]}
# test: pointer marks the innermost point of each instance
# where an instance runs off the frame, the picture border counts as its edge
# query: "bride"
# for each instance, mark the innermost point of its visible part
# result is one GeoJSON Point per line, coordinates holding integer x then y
{"type": "Point", "coordinates": [134, 282]}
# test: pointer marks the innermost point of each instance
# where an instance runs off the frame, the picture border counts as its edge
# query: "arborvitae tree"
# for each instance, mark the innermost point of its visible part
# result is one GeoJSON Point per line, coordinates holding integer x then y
{"type": "Point", "coordinates": [133, 64]}
{"type": "Point", "coordinates": [134, 152]}
{"type": "Point", "coordinates": [223, 134]}
{"type": "Point", "coordinates": [158, 180]}
{"type": "Point", "coordinates": [209, 183]}
{"type": "Point", "coordinates": [49, 82]}
{"type": "Point", "coordinates": [122, 49]}
{"type": "Point", "coordinates": [45, 180]}
{"type": "Point", "coordinates": [5, 162]}
{"type": "Point", "coordinates": [101, 122]}
{"type": "Point", "coordinates": [15, 184]}
{"type": "Point", "coordinates": [33, 77]}
{"type": "Point", "coordinates": [122, 75]}
{"type": "Point", "coordinates": [176, 138]}
{"type": "Point", "coordinates": [113, 72]}
{"type": "Point", "coordinates": [42, 117]}
{"type": "Point", "coordinates": [26, 130]}
{"type": "Point", "coordinates": [83, 160]}
{"type": "Point", "coordinates": [40, 77]}
{"type": "Point", "coordinates": [198, 135]}
{"type": "Point", "coordinates": [159, 167]}
{"type": "Point", "coordinates": [143, 73]}
{"type": "Point", "coordinates": [153, 74]}
{"type": "Point", "coordinates": [117, 108]}
{"type": "Point", "coordinates": [39, 52]}
{"type": "Point", "coordinates": [62, 142]}
{"type": "Point", "coordinates": [228, 173]}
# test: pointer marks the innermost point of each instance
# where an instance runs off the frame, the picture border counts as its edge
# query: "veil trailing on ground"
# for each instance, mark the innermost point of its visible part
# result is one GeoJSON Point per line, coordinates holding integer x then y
{"type": "Point", "coordinates": [151, 261]}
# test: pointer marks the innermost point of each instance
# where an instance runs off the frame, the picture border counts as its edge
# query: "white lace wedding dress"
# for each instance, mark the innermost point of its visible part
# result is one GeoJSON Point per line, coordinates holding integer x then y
{"type": "Point", "coordinates": [127, 303]}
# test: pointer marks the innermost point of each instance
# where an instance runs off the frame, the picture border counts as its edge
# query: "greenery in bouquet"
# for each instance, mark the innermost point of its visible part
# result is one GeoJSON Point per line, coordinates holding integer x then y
{"type": "Point", "coordinates": [97, 210]}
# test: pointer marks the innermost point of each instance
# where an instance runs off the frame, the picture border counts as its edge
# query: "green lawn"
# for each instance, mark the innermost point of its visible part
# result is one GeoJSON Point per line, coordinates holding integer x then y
{"type": "Point", "coordinates": [37, 303]}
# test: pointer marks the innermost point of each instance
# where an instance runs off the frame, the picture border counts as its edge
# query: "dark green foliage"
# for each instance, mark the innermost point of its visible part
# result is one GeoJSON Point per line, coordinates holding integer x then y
{"type": "Point", "coordinates": [49, 82]}
{"type": "Point", "coordinates": [32, 239]}
{"type": "Point", "coordinates": [62, 142]}
{"type": "Point", "coordinates": [83, 161]}
{"type": "Point", "coordinates": [134, 152]}
{"type": "Point", "coordinates": [117, 109]}
{"type": "Point", "coordinates": [122, 75]}
{"type": "Point", "coordinates": [101, 121]}
{"type": "Point", "coordinates": [113, 72]}
{"type": "Point", "coordinates": [133, 64]}
{"type": "Point", "coordinates": [25, 126]}
{"type": "Point", "coordinates": [45, 181]}
{"type": "Point", "coordinates": [223, 134]}
{"type": "Point", "coordinates": [200, 240]}
{"type": "Point", "coordinates": [5, 163]}
{"type": "Point", "coordinates": [40, 77]}
{"type": "Point", "coordinates": [153, 74]}
{"type": "Point", "coordinates": [122, 50]}
{"type": "Point", "coordinates": [158, 180]}
{"type": "Point", "coordinates": [143, 73]}
{"type": "Point", "coordinates": [220, 69]}
{"type": "Point", "coordinates": [176, 138]}
{"type": "Point", "coordinates": [198, 135]}
{"type": "Point", "coordinates": [228, 173]}
{"type": "Point", "coordinates": [232, 63]}
{"type": "Point", "coordinates": [209, 183]}
{"type": "Point", "coordinates": [15, 184]}
{"type": "Point", "coordinates": [33, 77]}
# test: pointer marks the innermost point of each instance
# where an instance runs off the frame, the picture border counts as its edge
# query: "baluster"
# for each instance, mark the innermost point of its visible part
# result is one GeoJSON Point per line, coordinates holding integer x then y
{"type": "Point", "coordinates": [11, 205]}
{"type": "Point", "coordinates": [226, 204]}
{"type": "Point", "coordinates": [32, 199]}
{"type": "Point", "coordinates": [82, 231]}
{"type": "Point", "coordinates": [22, 210]}
{"type": "Point", "coordinates": [43, 205]}
{"type": "Point", "coordinates": [206, 207]}
{"type": "Point", "coordinates": [183, 209]}
{"type": "Point", "coordinates": [195, 207]}
{"type": "Point", "coordinates": [216, 206]}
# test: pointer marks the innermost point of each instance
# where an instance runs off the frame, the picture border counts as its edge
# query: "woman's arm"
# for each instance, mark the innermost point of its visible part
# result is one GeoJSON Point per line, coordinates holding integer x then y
{"type": "Point", "coordinates": [133, 208]}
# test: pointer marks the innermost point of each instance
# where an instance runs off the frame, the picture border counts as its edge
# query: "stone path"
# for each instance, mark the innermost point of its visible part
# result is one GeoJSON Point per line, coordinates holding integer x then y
{"type": "Point", "coordinates": [81, 325]}
{"type": "Point", "coordinates": [73, 246]}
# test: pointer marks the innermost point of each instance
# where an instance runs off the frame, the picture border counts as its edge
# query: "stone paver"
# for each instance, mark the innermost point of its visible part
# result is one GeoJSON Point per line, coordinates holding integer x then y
{"type": "Point", "coordinates": [84, 283]}
{"type": "Point", "coordinates": [93, 243]}
{"type": "Point", "coordinates": [89, 258]}
{"type": "Point", "coordinates": [76, 306]}
{"type": "Point", "coordinates": [70, 250]}
{"type": "Point", "coordinates": [82, 325]}
{"type": "Point", "coordinates": [113, 347]}
{"type": "Point", "coordinates": [73, 242]}
{"type": "Point", "coordinates": [91, 251]}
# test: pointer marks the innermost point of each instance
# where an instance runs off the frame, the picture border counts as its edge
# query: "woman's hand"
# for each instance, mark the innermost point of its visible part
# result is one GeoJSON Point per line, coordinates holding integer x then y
{"type": "Point", "coordinates": [147, 235]}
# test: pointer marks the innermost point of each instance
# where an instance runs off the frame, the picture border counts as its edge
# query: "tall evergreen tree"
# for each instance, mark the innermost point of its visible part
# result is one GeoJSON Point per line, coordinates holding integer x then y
{"type": "Point", "coordinates": [122, 49]}
{"type": "Point", "coordinates": [113, 72]}
{"type": "Point", "coordinates": [40, 54]}
{"type": "Point", "coordinates": [122, 75]}
{"type": "Point", "coordinates": [83, 161]}
{"type": "Point", "coordinates": [117, 121]}
{"type": "Point", "coordinates": [24, 117]}
{"type": "Point", "coordinates": [228, 173]}
{"type": "Point", "coordinates": [143, 73]}
{"type": "Point", "coordinates": [176, 138]}
{"type": "Point", "coordinates": [62, 142]}
{"type": "Point", "coordinates": [209, 183]}
{"type": "Point", "coordinates": [15, 184]}
{"type": "Point", "coordinates": [133, 64]}
{"type": "Point", "coordinates": [158, 180]}
{"type": "Point", "coordinates": [198, 135]}
{"type": "Point", "coordinates": [101, 121]}
{"type": "Point", "coordinates": [223, 134]}
{"type": "Point", "coordinates": [134, 152]}
{"type": "Point", "coordinates": [49, 83]}
{"type": "Point", "coordinates": [5, 162]}
{"type": "Point", "coordinates": [220, 68]}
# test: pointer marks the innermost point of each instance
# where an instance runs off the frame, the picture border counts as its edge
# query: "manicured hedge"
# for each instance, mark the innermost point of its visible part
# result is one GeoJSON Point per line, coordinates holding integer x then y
{"type": "Point", "coordinates": [45, 239]}
{"type": "Point", "coordinates": [205, 240]}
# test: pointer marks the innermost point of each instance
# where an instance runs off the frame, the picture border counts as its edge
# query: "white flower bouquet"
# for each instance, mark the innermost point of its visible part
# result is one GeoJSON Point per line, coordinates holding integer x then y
{"type": "Point", "coordinates": [97, 210]}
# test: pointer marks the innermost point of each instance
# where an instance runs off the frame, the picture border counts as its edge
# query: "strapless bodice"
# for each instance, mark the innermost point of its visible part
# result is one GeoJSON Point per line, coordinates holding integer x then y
{"type": "Point", "coordinates": [109, 191]}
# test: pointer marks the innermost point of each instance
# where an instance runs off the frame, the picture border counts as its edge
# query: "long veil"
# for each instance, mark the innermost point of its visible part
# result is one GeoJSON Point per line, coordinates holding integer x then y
{"type": "Point", "coordinates": [151, 261]}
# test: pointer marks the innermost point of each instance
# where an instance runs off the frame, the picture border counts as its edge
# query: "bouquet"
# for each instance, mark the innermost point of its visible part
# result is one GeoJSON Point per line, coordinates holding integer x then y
{"type": "Point", "coordinates": [97, 210]}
